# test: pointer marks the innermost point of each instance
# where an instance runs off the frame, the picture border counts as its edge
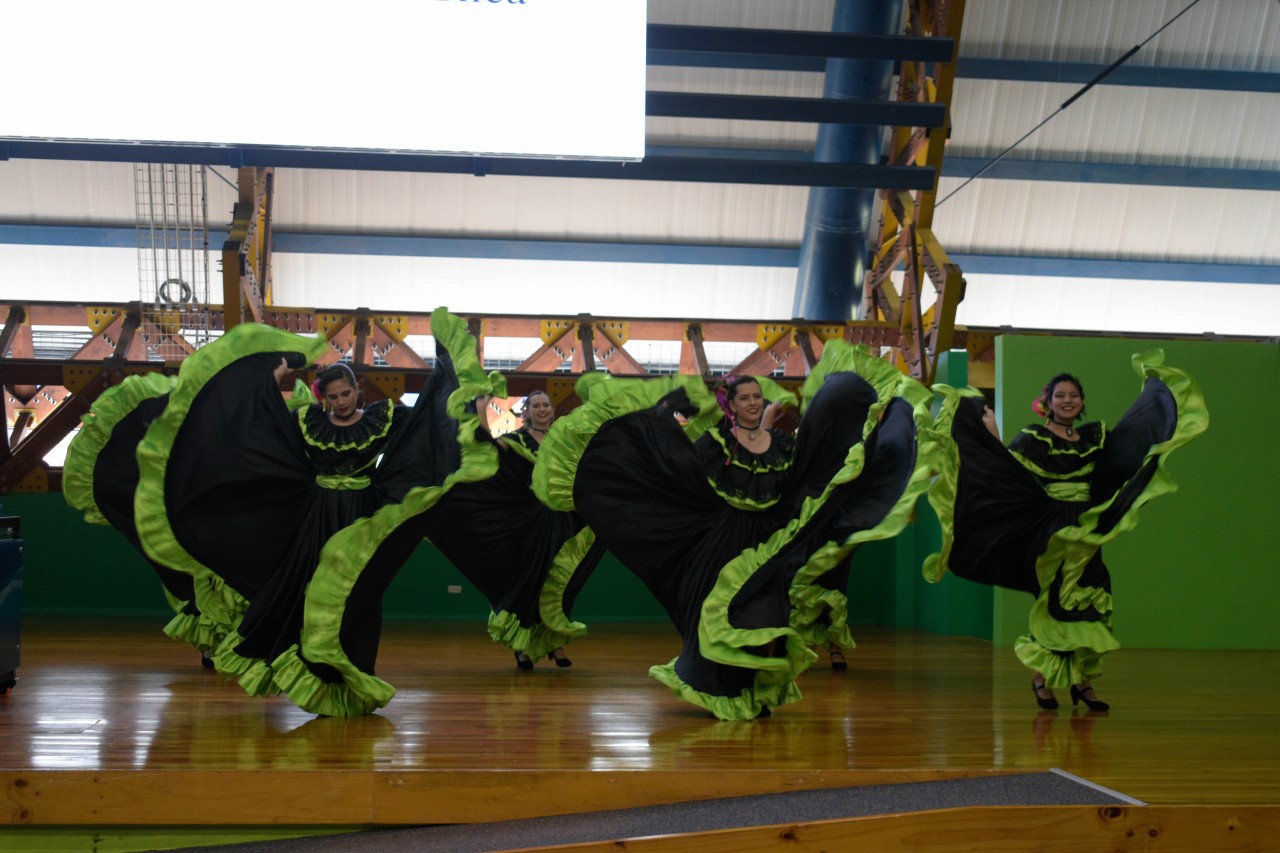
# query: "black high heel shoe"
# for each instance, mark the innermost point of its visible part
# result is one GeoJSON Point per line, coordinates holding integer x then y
{"type": "Point", "coordinates": [838, 662]}
{"type": "Point", "coordinates": [1077, 696]}
{"type": "Point", "coordinates": [1050, 704]}
{"type": "Point", "coordinates": [523, 661]}
{"type": "Point", "coordinates": [561, 659]}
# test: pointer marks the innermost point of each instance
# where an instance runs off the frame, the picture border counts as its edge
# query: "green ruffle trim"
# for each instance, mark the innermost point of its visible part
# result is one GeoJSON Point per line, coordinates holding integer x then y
{"type": "Point", "coordinates": [942, 494]}
{"type": "Point", "coordinates": [534, 641]}
{"type": "Point", "coordinates": [95, 431]}
{"type": "Point", "coordinates": [556, 628]}
{"type": "Point", "coordinates": [739, 502]}
{"type": "Point", "coordinates": [1063, 669]}
{"type": "Point", "coordinates": [608, 398]}
{"type": "Point", "coordinates": [216, 601]}
{"type": "Point", "coordinates": [1083, 471]}
{"type": "Point", "coordinates": [820, 614]}
{"type": "Point", "coordinates": [369, 438]}
{"type": "Point", "coordinates": [840, 356]}
{"type": "Point", "coordinates": [344, 482]}
{"type": "Point", "coordinates": [327, 699]}
{"type": "Point", "coordinates": [190, 628]}
{"type": "Point", "coordinates": [719, 439]}
{"type": "Point", "coordinates": [346, 553]}
{"type": "Point", "coordinates": [252, 674]}
{"type": "Point", "coordinates": [745, 706]}
{"type": "Point", "coordinates": [301, 397]}
{"type": "Point", "coordinates": [1056, 449]}
{"type": "Point", "coordinates": [515, 445]}
{"type": "Point", "coordinates": [563, 567]}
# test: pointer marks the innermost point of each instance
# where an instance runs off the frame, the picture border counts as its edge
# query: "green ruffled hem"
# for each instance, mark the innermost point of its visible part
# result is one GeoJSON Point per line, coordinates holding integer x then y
{"type": "Point", "coordinates": [193, 629]}
{"type": "Point", "coordinates": [942, 494]}
{"type": "Point", "coordinates": [219, 605]}
{"type": "Point", "coordinates": [747, 705]}
{"type": "Point", "coordinates": [254, 675]}
{"type": "Point", "coordinates": [95, 431]}
{"type": "Point", "coordinates": [327, 699]}
{"type": "Point", "coordinates": [534, 641]}
{"type": "Point", "coordinates": [840, 356]}
{"type": "Point", "coordinates": [346, 553]}
{"type": "Point", "coordinates": [150, 515]}
{"type": "Point", "coordinates": [1060, 669]}
{"type": "Point", "coordinates": [1071, 649]}
{"type": "Point", "coordinates": [819, 614]}
{"type": "Point", "coordinates": [608, 398]}
{"type": "Point", "coordinates": [564, 566]}
{"type": "Point", "coordinates": [556, 628]}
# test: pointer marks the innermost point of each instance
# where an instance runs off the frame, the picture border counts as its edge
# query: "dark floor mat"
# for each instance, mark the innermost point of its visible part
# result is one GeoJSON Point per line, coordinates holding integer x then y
{"type": "Point", "coordinates": [1026, 789]}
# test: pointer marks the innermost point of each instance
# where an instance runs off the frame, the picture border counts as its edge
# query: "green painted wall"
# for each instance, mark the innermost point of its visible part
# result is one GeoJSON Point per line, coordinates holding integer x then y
{"type": "Point", "coordinates": [74, 568]}
{"type": "Point", "coordinates": [1197, 571]}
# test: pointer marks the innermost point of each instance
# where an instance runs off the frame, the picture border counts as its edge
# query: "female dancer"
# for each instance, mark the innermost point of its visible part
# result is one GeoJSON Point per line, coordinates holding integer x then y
{"type": "Point", "coordinates": [529, 561]}
{"type": "Point", "coordinates": [734, 555]}
{"type": "Point", "coordinates": [1034, 517]}
{"type": "Point", "coordinates": [247, 493]}
{"type": "Point", "coordinates": [343, 440]}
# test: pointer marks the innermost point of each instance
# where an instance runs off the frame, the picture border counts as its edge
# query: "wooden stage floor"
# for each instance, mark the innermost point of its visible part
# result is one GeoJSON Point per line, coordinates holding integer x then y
{"type": "Point", "coordinates": [113, 723]}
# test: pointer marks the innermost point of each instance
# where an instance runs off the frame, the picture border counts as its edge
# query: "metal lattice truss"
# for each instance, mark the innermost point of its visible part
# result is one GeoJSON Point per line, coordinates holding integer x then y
{"type": "Point", "coordinates": [906, 233]}
{"type": "Point", "coordinates": [51, 376]}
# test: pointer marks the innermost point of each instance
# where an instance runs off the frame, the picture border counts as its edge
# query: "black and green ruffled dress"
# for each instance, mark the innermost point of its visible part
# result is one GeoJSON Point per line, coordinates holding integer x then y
{"type": "Point", "coordinates": [342, 459]}
{"type": "Point", "coordinates": [1034, 517]}
{"type": "Point", "coordinates": [330, 669]}
{"type": "Point", "coordinates": [247, 495]}
{"type": "Point", "coordinates": [528, 560]}
{"type": "Point", "coordinates": [724, 556]}
{"type": "Point", "coordinates": [100, 479]}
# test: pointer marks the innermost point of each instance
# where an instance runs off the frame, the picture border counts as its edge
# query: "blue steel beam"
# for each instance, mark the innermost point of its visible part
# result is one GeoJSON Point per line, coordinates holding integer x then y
{"type": "Point", "coordinates": [687, 169]}
{"type": "Point", "coordinates": [1147, 76]}
{"type": "Point", "coordinates": [783, 257]}
{"type": "Point", "coordinates": [811, 43]}
{"type": "Point", "coordinates": [1137, 174]}
{"type": "Point", "coordinates": [861, 111]}
{"type": "Point", "coordinates": [1022, 70]}
{"type": "Point", "coordinates": [1063, 171]}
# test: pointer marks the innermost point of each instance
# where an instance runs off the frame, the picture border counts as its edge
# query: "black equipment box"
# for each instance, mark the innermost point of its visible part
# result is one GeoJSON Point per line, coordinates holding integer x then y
{"type": "Point", "coordinates": [10, 599]}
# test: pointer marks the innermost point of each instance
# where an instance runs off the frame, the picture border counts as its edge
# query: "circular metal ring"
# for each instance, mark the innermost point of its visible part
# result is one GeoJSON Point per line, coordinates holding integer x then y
{"type": "Point", "coordinates": [166, 294]}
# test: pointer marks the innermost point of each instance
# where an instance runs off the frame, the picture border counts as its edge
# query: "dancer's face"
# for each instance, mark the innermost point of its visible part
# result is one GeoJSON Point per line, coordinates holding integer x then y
{"type": "Point", "coordinates": [747, 404]}
{"type": "Point", "coordinates": [341, 397]}
{"type": "Point", "coordinates": [1065, 402]}
{"type": "Point", "coordinates": [541, 412]}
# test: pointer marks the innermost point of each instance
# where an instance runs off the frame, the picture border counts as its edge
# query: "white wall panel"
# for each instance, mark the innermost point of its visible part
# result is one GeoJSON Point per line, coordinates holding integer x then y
{"type": "Point", "coordinates": [534, 287]}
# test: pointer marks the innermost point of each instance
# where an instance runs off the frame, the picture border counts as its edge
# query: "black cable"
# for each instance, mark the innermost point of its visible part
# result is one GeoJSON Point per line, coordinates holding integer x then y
{"type": "Point", "coordinates": [1068, 102]}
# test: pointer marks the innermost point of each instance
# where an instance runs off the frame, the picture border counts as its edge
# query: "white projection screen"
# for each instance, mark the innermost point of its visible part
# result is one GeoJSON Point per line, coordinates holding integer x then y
{"type": "Point", "coordinates": [538, 78]}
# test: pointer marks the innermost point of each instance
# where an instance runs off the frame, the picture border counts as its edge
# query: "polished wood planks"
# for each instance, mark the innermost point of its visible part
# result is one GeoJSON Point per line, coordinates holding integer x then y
{"type": "Point", "coordinates": [110, 718]}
